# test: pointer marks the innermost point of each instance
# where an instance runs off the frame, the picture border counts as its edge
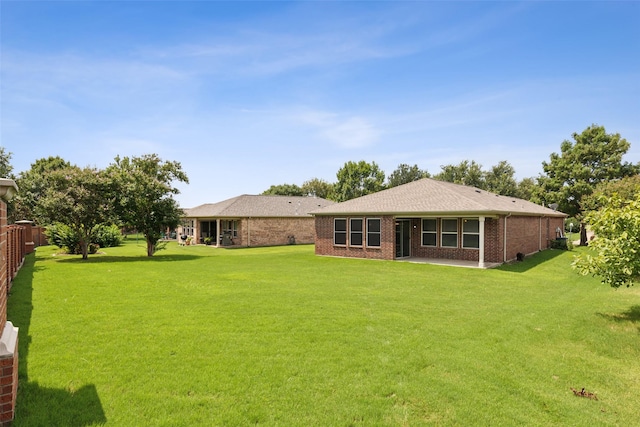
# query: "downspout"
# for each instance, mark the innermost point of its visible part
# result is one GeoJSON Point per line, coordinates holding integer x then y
{"type": "Point", "coordinates": [248, 231]}
{"type": "Point", "coordinates": [540, 233]}
{"type": "Point", "coordinates": [218, 232]}
{"type": "Point", "coordinates": [481, 245]}
{"type": "Point", "coordinates": [505, 237]}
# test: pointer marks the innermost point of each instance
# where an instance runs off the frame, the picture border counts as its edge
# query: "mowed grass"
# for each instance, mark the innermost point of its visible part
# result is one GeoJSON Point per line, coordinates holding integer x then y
{"type": "Point", "coordinates": [199, 336]}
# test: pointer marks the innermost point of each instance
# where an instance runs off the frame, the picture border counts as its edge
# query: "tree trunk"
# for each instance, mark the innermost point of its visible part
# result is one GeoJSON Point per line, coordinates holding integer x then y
{"type": "Point", "coordinates": [583, 234]}
{"type": "Point", "coordinates": [84, 245]}
{"type": "Point", "coordinates": [151, 248]}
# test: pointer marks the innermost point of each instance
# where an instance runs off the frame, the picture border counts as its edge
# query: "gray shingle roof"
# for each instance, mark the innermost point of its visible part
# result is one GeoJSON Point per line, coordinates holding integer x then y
{"type": "Point", "coordinates": [258, 206]}
{"type": "Point", "coordinates": [430, 197]}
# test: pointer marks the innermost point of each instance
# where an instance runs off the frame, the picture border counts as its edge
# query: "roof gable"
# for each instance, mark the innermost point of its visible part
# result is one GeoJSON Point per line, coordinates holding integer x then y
{"type": "Point", "coordinates": [259, 206]}
{"type": "Point", "coordinates": [430, 197]}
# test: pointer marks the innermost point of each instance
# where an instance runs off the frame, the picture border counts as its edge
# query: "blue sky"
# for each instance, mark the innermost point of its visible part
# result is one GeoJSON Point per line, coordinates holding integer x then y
{"type": "Point", "coordinates": [250, 94]}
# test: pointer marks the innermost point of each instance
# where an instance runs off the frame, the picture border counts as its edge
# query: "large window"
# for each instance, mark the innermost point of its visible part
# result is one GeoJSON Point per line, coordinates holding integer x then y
{"type": "Point", "coordinates": [355, 232]}
{"type": "Point", "coordinates": [229, 227]}
{"type": "Point", "coordinates": [340, 231]}
{"type": "Point", "coordinates": [470, 233]}
{"type": "Point", "coordinates": [187, 228]}
{"type": "Point", "coordinates": [373, 232]}
{"type": "Point", "coordinates": [449, 235]}
{"type": "Point", "coordinates": [429, 232]}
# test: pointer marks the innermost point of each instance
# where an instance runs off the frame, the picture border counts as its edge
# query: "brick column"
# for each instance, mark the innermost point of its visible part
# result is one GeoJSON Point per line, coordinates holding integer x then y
{"type": "Point", "coordinates": [9, 338]}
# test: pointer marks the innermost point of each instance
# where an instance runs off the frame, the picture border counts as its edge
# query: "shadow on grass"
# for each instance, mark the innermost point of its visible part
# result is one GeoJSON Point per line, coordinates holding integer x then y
{"type": "Point", "coordinates": [77, 408]}
{"type": "Point", "coordinates": [531, 261]}
{"type": "Point", "coordinates": [36, 405]}
{"type": "Point", "coordinates": [632, 315]}
{"type": "Point", "coordinates": [98, 258]}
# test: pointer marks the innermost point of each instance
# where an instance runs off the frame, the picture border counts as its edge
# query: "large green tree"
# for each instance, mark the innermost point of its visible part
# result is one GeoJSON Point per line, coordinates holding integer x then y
{"type": "Point", "coordinates": [82, 199]}
{"type": "Point", "coordinates": [627, 188]}
{"type": "Point", "coordinates": [32, 184]}
{"type": "Point", "coordinates": [358, 179]}
{"type": "Point", "coordinates": [405, 174]}
{"type": "Point", "coordinates": [318, 187]}
{"type": "Point", "coordinates": [284, 190]}
{"type": "Point", "coordinates": [6, 170]}
{"type": "Point", "coordinates": [466, 173]}
{"type": "Point", "coordinates": [615, 251]}
{"type": "Point", "coordinates": [528, 189]}
{"type": "Point", "coordinates": [593, 157]}
{"type": "Point", "coordinates": [500, 179]}
{"type": "Point", "coordinates": [145, 195]}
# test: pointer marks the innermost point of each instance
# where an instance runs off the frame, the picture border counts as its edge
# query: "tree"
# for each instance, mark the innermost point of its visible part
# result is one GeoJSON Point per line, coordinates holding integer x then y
{"type": "Point", "coordinates": [614, 251]}
{"type": "Point", "coordinates": [78, 198]}
{"type": "Point", "coordinates": [6, 170]}
{"type": "Point", "coordinates": [627, 188]}
{"type": "Point", "coordinates": [405, 174]}
{"type": "Point", "coordinates": [594, 157]}
{"type": "Point", "coordinates": [500, 180]}
{"type": "Point", "coordinates": [318, 188]}
{"type": "Point", "coordinates": [358, 179]}
{"type": "Point", "coordinates": [145, 191]}
{"type": "Point", "coordinates": [527, 189]}
{"type": "Point", "coordinates": [32, 184]}
{"type": "Point", "coordinates": [284, 190]}
{"type": "Point", "coordinates": [465, 173]}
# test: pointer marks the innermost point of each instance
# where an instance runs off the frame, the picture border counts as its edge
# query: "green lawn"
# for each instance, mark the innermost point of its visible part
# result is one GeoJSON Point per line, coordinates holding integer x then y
{"type": "Point", "coordinates": [199, 336]}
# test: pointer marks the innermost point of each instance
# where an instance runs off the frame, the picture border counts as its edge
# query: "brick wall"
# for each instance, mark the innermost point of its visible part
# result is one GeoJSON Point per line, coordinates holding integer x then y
{"type": "Point", "coordinates": [524, 234]}
{"type": "Point", "coordinates": [528, 235]}
{"type": "Point", "coordinates": [12, 250]}
{"type": "Point", "coordinates": [325, 246]}
{"type": "Point", "coordinates": [8, 376]}
{"type": "Point", "coordinates": [275, 231]}
{"type": "Point", "coordinates": [493, 240]}
{"type": "Point", "coordinates": [5, 276]}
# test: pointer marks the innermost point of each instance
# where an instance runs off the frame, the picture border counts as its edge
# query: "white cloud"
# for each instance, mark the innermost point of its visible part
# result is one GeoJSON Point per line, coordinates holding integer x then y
{"type": "Point", "coordinates": [343, 131]}
{"type": "Point", "coordinates": [354, 132]}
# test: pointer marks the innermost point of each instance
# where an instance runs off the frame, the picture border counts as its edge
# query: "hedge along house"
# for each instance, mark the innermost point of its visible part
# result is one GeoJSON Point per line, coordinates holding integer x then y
{"type": "Point", "coordinates": [249, 220]}
{"type": "Point", "coordinates": [436, 220]}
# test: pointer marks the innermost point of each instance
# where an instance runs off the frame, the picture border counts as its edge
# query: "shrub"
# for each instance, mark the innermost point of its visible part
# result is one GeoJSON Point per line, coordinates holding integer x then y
{"type": "Point", "coordinates": [107, 236]}
{"type": "Point", "coordinates": [562, 243]}
{"type": "Point", "coordinates": [66, 238]}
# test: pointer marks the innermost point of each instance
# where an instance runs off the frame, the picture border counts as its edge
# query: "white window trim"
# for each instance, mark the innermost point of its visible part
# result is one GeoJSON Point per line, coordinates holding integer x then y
{"type": "Point", "coordinates": [442, 232]}
{"type": "Point", "coordinates": [346, 232]}
{"type": "Point", "coordinates": [470, 233]}
{"type": "Point", "coordinates": [379, 233]}
{"type": "Point", "coordinates": [362, 231]}
{"type": "Point", "coordinates": [422, 233]}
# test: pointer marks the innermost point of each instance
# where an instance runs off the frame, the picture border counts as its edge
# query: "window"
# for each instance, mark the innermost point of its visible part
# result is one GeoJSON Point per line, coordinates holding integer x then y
{"type": "Point", "coordinates": [470, 233]}
{"type": "Point", "coordinates": [229, 227]}
{"type": "Point", "coordinates": [429, 232]}
{"type": "Point", "coordinates": [449, 236]}
{"type": "Point", "coordinates": [339, 231]}
{"type": "Point", "coordinates": [373, 232]}
{"type": "Point", "coordinates": [355, 232]}
{"type": "Point", "coordinates": [187, 228]}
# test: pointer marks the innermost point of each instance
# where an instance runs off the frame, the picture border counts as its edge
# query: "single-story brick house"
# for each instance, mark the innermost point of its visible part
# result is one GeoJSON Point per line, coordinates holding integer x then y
{"type": "Point", "coordinates": [436, 220]}
{"type": "Point", "coordinates": [250, 220]}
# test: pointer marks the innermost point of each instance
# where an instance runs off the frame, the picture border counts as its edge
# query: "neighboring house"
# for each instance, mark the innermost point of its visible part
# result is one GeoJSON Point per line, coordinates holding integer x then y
{"type": "Point", "coordinates": [435, 219]}
{"type": "Point", "coordinates": [253, 221]}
